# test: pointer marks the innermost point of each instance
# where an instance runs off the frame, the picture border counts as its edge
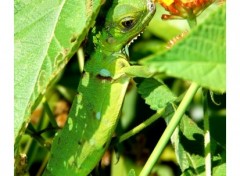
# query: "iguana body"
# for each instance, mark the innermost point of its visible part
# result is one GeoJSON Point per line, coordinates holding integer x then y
{"type": "Point", "coordinates": [79, 146]}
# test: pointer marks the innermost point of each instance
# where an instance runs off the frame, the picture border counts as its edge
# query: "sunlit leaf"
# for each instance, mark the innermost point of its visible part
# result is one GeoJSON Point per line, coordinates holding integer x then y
{"type": "Point", "coordinates": [156, 94]}
{"type": "Point", "coordinates": [46, 35]}
{"type": "Point", "coordinates": [199, 57]}
{"type": "Point", "coordinates": [188, 141]}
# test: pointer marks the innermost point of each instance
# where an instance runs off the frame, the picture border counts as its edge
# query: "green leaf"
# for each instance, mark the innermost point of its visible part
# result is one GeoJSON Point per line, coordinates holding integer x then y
{"type": "Point", "coordinates": [188, 141]}
{"type": "Point", "coordinates": [156, 94]}
{"type": "Point", "coordinates": [46, 35]}
{"type": "Point", "coordinates": [220, 170]}
{"type": "Point", "coordinates": [190, 146]}
{"type": "Point", "coordinates": [199, 57]}
{"type": "Point", "coordinates": [124, 166]}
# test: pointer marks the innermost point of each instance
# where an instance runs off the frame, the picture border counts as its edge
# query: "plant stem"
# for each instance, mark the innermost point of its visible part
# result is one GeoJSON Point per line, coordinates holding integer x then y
{"type": "Point", "coordinates": [43, 165]}
{"type": "Point", "coordinates": [50, 114]}
{"type": "Point", "coordinates": [141, 126]}
{"type": "Point", "coordinates": [192, 22]}
{"type": "Point", "coordinates": [207, 146]}
{"type": "Point", "coordinates": [28, 145]}
{"type": "Point", "coordinates": [169, 130]}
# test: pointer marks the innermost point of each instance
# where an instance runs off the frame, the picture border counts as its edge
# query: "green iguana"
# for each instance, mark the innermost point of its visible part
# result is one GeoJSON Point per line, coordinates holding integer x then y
{"type": "Point", "coordinates": [79, 146]}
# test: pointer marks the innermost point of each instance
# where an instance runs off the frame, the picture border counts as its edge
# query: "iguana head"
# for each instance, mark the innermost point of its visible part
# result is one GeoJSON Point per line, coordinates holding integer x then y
{"type": "Point", "coordinates": [124, 21]}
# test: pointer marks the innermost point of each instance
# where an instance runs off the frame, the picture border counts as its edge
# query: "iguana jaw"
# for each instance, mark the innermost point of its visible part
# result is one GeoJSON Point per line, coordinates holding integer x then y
{"type": "Point", "coordinates": [126, 22]}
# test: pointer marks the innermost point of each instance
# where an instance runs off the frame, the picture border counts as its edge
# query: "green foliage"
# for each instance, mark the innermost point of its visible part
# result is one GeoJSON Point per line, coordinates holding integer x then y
{"type": "Point", "coordinates": [46, 35]}
{"type": "Point", "coordinates": [199, 57]}
{"type": "Point", "coordinates": [156, 94]}
{"type": "Point", "coordinates": [188, 142]}
{"type": "Point", "coordinates": [123, 167]}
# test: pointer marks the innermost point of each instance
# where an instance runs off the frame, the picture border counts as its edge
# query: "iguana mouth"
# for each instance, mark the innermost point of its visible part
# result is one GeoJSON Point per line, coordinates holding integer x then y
{"type": "Point", "coordinates": [135, 38]}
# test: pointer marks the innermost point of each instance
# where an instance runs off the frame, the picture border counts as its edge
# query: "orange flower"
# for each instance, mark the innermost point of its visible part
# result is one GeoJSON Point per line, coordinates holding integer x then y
{"type": "Point", "coordinates": [187, 9]}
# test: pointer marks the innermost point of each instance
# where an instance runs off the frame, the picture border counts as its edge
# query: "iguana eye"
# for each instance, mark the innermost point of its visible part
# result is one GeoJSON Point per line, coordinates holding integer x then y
{"type": "Point", "coordinates": [128, 23]}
